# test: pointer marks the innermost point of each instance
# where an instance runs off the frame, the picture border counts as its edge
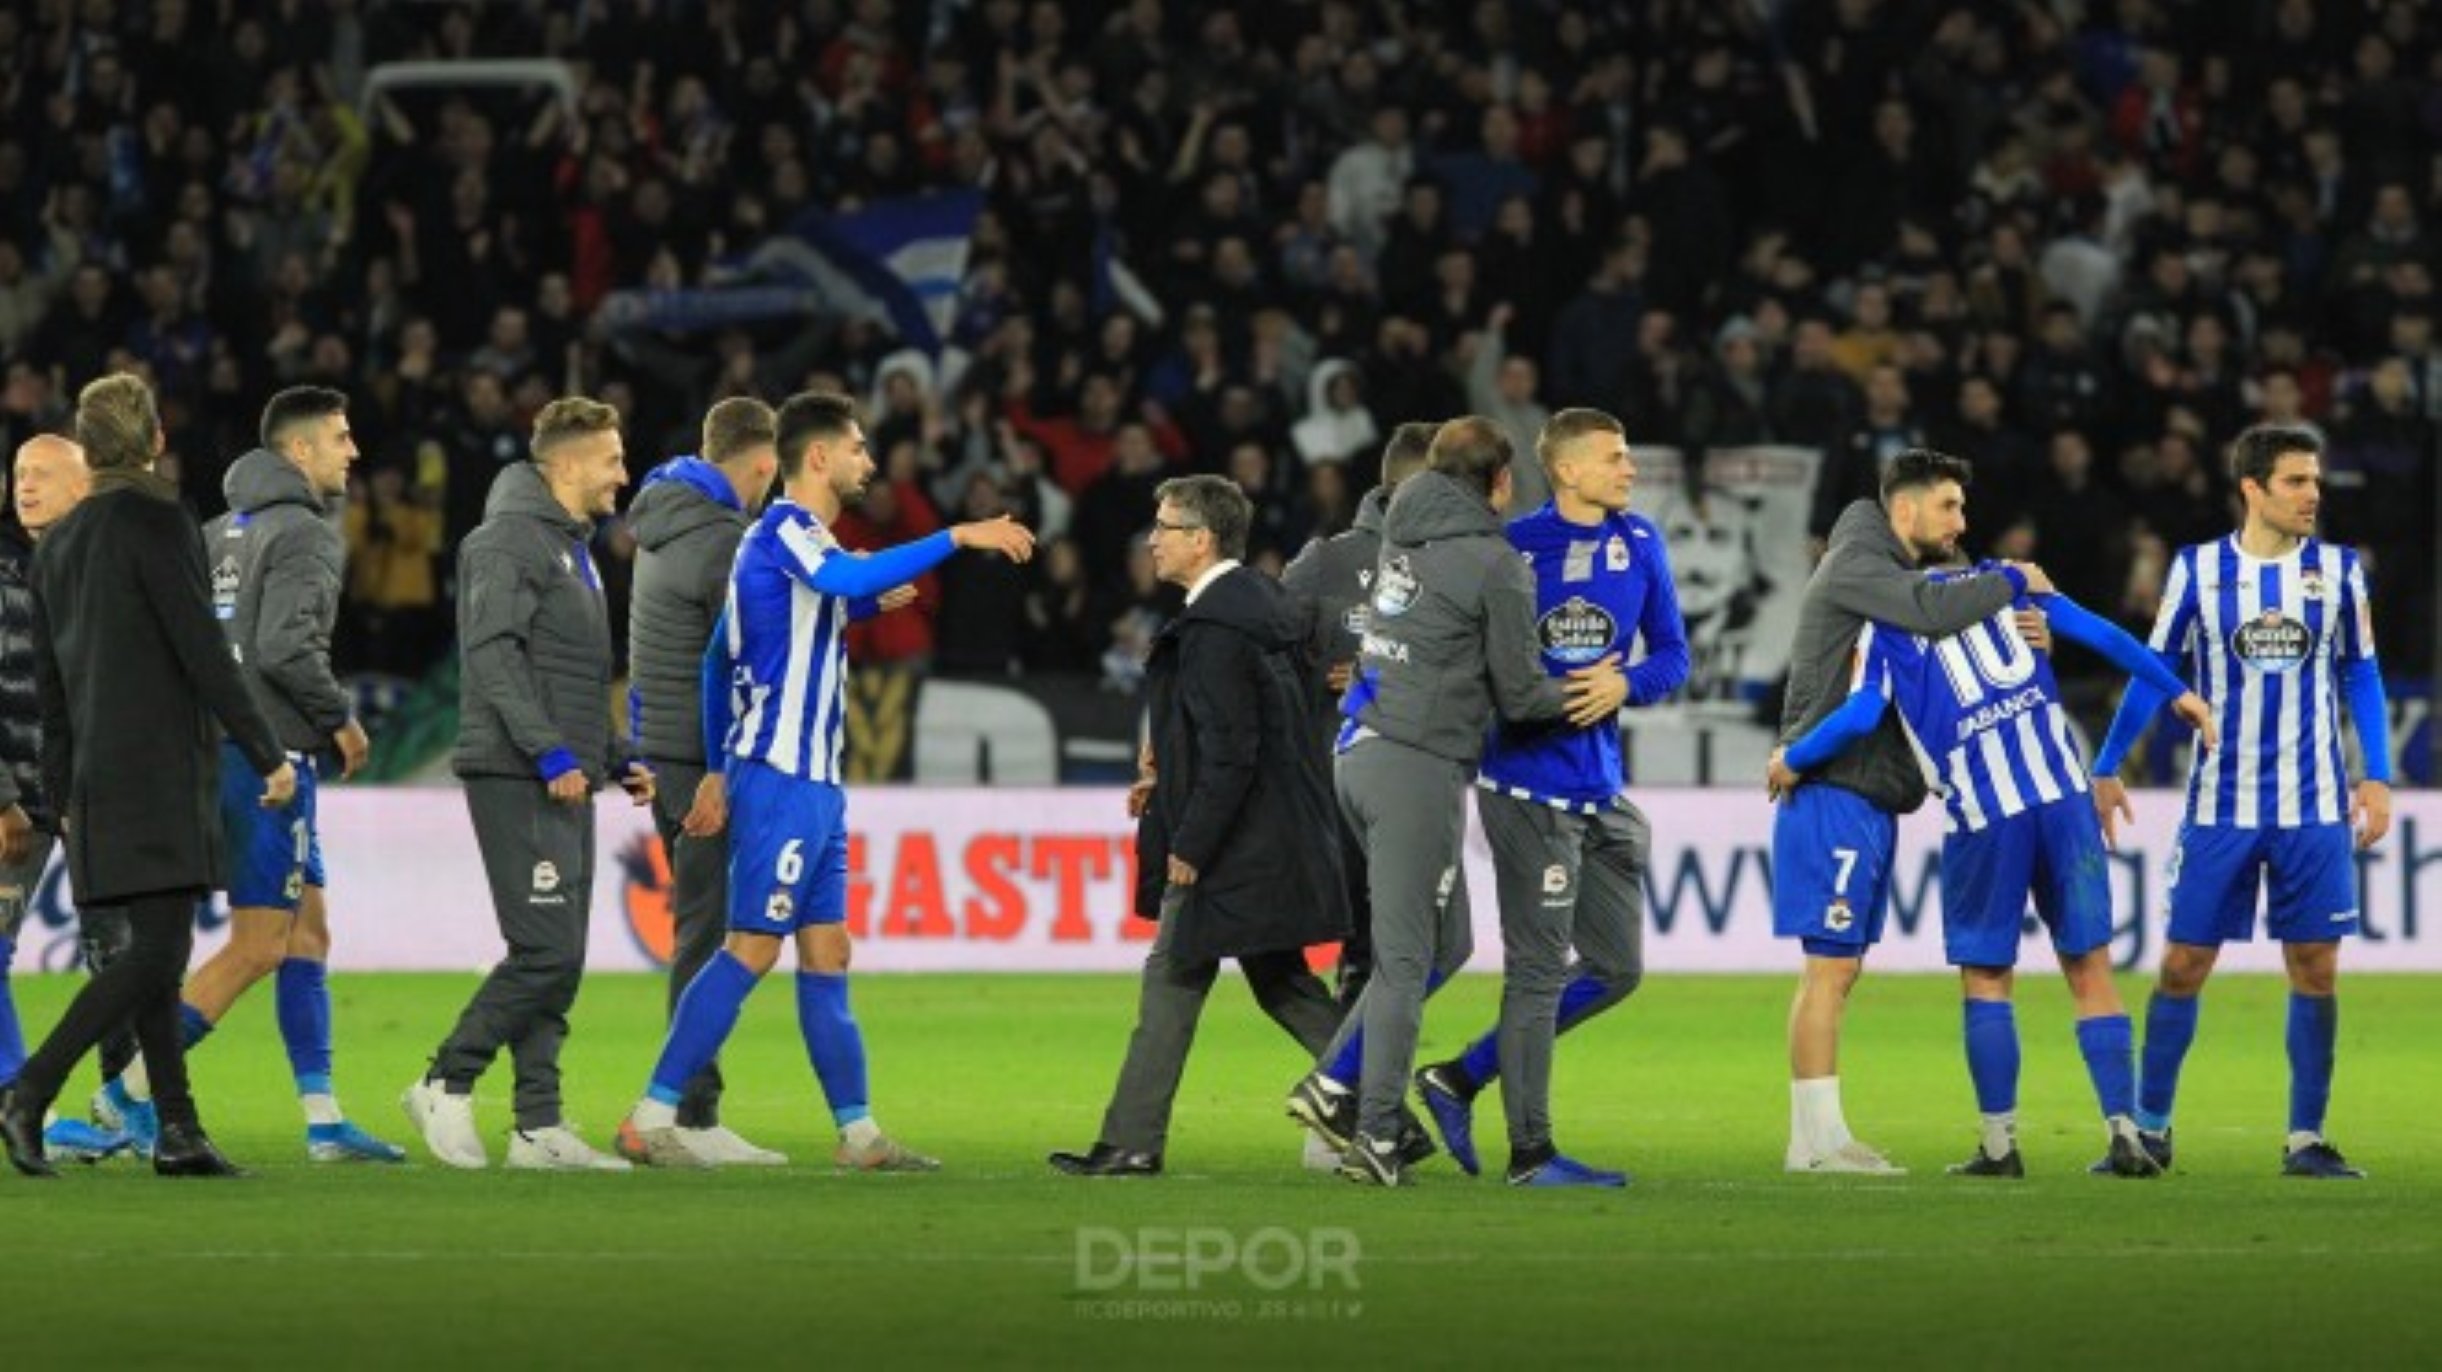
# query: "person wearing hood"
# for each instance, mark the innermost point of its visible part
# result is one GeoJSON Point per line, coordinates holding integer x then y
{"type": "Point", "coordinates": [688, 519]}
{"type": "Point", "coordinates": [1226, 818]}
{"type": "Point", "coordinates": [534, 741]}
{"type": "Point", "coordinates": [277, 567]}
{"type": "Point", "coordinates": [1332, 574]}
{"type": "Point", "coordinates": [1833, 838]}
{"type": "Point", "coordinates": [1337, 423]}
{"type": "Point", "coordinates": [134, 677]}
{"type": "Point", "coordinates": [1449, 643]}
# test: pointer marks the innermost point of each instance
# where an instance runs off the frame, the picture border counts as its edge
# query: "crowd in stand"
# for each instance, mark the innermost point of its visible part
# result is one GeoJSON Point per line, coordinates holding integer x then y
{"type": "Point", "coordinates": [2080, 243]}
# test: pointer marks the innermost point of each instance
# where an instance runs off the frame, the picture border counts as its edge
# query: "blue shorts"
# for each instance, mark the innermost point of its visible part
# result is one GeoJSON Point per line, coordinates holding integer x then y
{"type": "Point", "coordinates": [273, 855]}
{"type": "Point", "coordinates": [2216, 871]}
{"type": "Point", "coordinates": [2053, 852]}
{"type": "Point", "coordinates": [1831, 870]}
{"type": "Point", "coordinates": [788, 851]}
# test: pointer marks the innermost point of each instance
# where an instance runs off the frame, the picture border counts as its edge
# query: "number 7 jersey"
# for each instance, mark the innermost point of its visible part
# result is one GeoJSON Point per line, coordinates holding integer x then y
{"type": "Point", "coordinates": [1982, 712]}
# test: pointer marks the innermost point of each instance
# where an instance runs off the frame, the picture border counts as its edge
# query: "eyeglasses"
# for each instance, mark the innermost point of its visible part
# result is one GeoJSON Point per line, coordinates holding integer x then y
{"type": "Point", "coordinates": [1165, 526]}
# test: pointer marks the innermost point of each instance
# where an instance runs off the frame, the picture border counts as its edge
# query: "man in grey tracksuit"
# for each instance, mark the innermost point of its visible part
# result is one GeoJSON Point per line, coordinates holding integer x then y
{"type": "Point", "coordinates": [1336, 574]}
{"type": "Point", "coordinates": [534, 741]}
{"type": "Point", "coordinates": [688, 517]}
{"type": "Point", "coordinates": [1450, 640]}
{"type": "Point", "coordinates": [1833, 837]}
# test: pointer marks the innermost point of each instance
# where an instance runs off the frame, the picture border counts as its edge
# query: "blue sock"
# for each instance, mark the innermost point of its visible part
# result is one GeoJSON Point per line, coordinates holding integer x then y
{"type": "Point", "coordinates": [1992, 1054]}
{"type": "Point", "coordinates": [2109, 1045]}
{"type": "Point", "coordinates": [1482, 1060]}
{"type": "Point", "coordinates": [12, 1038]}
{"type": "Point", "coordinates": [834, 1043]}
{"type": "Point", "coordinates": [192, 1025]}
{"type": "Point", "coordinates": [707, 1011]}
{"type": "Point", "coordinates": [2314, 1023]}
{"type": "Point", "coordinates": [2170, 1026]}
{"type": "Point", "coordinates": [304, 1007]}
{"type": "Point", "coordinates": [1350, 1064]}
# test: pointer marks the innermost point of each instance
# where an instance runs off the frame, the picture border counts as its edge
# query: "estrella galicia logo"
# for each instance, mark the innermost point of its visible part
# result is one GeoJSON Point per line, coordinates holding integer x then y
{"type": "Point", "coordinates": [1577, 631]}
{"type": "Point", "coordinates": [1395, 589]}
{"type": "Point", "coordinates": [2272, 642]}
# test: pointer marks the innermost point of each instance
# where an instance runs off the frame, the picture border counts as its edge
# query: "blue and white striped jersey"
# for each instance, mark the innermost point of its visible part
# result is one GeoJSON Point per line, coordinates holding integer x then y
{"type": "Point", "coordinates": [1983, 714]}
{"type": "Point", "coordinates": [787, 645]}
{"type": "Point", "coordinates": [2264, 642]}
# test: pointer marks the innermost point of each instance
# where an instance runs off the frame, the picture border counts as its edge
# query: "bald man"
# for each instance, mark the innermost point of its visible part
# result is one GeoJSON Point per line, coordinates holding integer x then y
{"type": "Point", "coordinates": [50, 476]}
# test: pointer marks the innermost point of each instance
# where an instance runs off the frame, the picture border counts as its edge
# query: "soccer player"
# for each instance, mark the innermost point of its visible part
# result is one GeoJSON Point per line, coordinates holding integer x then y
{"type": "Point", "coordinates": [774, 687]}
{"type": "Point", "coordinates": [277, 569]}
{"type": "Point", "coordinates": [1569, 850]}
{"type": "Point", "coordinates": [1832, 842]}
{"type": "Point", "coordinates": [1982, 713]}
{"type": "Point", "coordinates": [2275, 625]}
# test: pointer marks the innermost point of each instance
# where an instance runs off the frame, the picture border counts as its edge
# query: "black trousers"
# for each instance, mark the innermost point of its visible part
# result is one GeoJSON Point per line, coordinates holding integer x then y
{"type": "Point", "coordinates": [138, 987]}
{"type": "Point", "coordinates": [102, 935]}
{"type": "Point", "coordinates": [699, 904]}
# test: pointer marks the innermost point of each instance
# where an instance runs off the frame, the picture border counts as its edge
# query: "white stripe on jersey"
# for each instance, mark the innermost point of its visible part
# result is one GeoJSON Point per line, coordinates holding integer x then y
{"type": "Point", "coordinates": [1997, 766]}
{"type": "Point", "coordinates": [2286, 778]}
{"type": "Point", "coordinates": [788, 741]}
{"type": "Point", "coordinates": [747, 724]}
{"type": "Point", "coordinates": [1968, 811]}
{"type": "Point", "coordinates": [827, 702]}
{"type": "Point", "coordinates": [2072, 765]}
{"type": "Point", "coordinates": [2039, 759]}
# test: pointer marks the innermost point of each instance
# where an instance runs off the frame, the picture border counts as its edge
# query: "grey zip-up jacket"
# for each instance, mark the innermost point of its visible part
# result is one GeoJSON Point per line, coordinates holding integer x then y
{"type": "Point", "coordinates": [534, 639]}
{"type": "Point", "coordinates": [1868, 574]}
{"type": "Point", "coordinates": [686, 539]}
{"type": "Point", "coordinates": [1450, 631]}
{"type": "Point", "coordinates": [1334, 574]}
{"type": "Point", "coordinates": [278, 563]}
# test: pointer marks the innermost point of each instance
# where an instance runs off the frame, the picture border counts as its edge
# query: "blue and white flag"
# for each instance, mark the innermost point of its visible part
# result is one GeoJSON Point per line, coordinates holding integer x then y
{"type": "Point", "coordinates": [896, 262]}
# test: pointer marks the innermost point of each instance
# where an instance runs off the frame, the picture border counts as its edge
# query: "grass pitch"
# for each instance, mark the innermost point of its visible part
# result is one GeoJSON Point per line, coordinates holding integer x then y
{"type": "Point", "coordinates": [1712, 1257]}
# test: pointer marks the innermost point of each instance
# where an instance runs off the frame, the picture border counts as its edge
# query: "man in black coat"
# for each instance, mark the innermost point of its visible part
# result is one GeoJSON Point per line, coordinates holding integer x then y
{"type": "Point", "coordinates": [134, 675]}
{"type": "Point", "coordinates": [1229, 820]}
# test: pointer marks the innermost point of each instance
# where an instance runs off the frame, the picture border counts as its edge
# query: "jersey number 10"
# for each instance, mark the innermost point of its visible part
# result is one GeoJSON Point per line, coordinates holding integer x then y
{"type": "Point", "coordinates": [1983, 658]}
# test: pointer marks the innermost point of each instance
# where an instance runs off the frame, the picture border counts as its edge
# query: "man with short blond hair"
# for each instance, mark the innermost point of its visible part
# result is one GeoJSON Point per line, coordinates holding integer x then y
{"type": "Point", "coordinates": [534, 742]}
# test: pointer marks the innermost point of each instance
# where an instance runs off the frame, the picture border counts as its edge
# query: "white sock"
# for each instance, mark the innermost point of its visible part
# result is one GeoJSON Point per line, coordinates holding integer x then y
{"type": "Point", "coordinates": [2303, 1138]}
{"type": "Point", "coordinates": [862, 1133]}
{"type": "Point", "coordinates": [652, 1114]}
{"type": "Point", "coordinates": [2000, 1134]}
{"type": "Point", "coordinates": [321, 1109]}
{"type": "Point", "coordinates": [1816, 1123]}
{"type": "Point", "coordinates": [139, 1083]}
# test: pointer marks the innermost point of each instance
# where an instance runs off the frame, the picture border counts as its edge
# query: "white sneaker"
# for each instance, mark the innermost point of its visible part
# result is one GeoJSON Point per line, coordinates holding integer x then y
{"type": "Point", "coordinates": [721, 1146]}
{"type": "Point", "coordinates": [660, 1145]}
{"type": "Point", "coordinates": [1850, 1157]}
{"type": "Point", "coordinates": [447, 1123]}
{"type": "Point", "coordinates": [558, 1149]}
{"type": "Point", "coordinates": [1320, 1155]}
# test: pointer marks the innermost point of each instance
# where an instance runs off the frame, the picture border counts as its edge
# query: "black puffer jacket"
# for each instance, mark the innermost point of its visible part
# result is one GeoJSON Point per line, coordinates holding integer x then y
{"type": "Point", "coordinates": [20, 705]}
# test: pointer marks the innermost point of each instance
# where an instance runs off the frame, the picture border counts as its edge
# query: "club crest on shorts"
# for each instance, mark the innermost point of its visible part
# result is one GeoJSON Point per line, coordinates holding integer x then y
{"type": "Point", "coordinates": [779, 908]}
{"type": "Point", "coordinates": [546, 877]}
{"type": "Point", "coordinates": [1555, 879]}
{"type": "Point", "coordinates": [1837, 917]}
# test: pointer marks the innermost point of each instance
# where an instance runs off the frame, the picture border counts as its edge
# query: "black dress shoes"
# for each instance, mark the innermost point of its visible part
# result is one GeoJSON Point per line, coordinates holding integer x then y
{"type": "Point", "coordinates": [21, 1132]}
{"type": "Point", "coordinates": [1104, 1160]}
{"type": "Point", "coordinates": [184, 1151]}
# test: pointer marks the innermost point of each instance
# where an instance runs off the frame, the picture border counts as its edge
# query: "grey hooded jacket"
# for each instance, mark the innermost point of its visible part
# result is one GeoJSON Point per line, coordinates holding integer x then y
{"type": "Point", "coordinates": [1335, 573]}
{"type": "Point", "coordinates": [278, 563]}
{"type": "Point", "coordinates": [1868, 574]}
{"type": "Point", "coordinates": [685, 543]}
{"type": "Point", "coordinates": [1450, 632]}
{"type": "Point", "coordinates": [534, 638]}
